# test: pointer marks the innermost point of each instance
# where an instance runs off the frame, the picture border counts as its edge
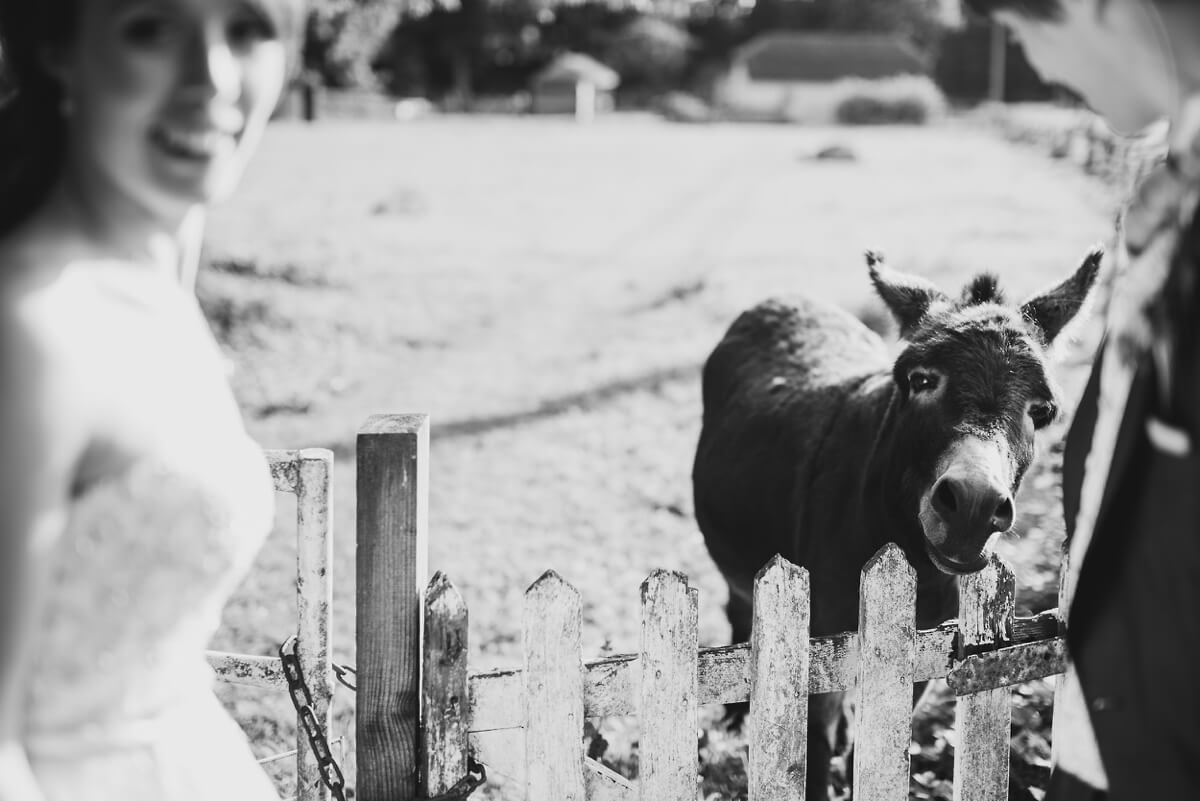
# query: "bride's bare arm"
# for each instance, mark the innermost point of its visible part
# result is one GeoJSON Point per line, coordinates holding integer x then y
{"type": "Point", "coordinates": [41, 436]}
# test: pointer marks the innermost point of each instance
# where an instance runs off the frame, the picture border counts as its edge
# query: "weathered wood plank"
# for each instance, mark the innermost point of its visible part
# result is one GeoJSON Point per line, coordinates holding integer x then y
{"type": "Point", "coordinates": [314, 600]}
{"type": "Point", "coordinates": [1066, 591]}
{"type": "Point", "coordinates": [503, 752]}
{"type": "Point", "coordinates": [391, 566]}
{"type": "Point", "coordinates": [983, 720]}
{"type": "Point", "coordinates": [887, 629]}
{"type": "Point", "coordinates": [1042, 626]}
{"type": "Point", "coordinates": [778, 721]}
{"type": "Point", "coordinates": [285, 468]}
{"type": "Point", "coordinates": [606, 784]}
{"type": "Point", "coordinates": [724, 677]}
{"type": "Point", "coordinates": [444, 687]}
{"type": "Point", "coordinates": [667, 769]}
{"type": "Point", "coordinates": [252, 671]}
{"type": "Point", "coordinates": [1008, 666]}
{"type": "Point", "coordinates": [553, 691]}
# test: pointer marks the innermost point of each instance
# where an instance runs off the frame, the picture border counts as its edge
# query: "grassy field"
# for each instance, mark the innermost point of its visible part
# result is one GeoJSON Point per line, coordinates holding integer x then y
{"type": "Point", "coordinates": [547, 292]}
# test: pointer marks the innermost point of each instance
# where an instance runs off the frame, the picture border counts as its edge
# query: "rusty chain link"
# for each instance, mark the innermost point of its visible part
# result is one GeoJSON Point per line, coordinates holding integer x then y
{"type": "Point", "coordinates": [331, 774]}
{"type": "Point", "coordinates": [340, 672]}
{"type": "Point", "coordinates": [476, 776]}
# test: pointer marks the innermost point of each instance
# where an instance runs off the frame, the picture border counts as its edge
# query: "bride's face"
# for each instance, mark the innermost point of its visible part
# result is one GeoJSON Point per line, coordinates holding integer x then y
{"type": "Point", "coordinates": [167, 99]}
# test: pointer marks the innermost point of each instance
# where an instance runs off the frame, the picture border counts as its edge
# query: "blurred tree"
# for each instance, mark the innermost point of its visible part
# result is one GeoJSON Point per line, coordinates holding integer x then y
{"type": "Point", "coordinates": [650, 54]}
{"type": "Point", "coordinates": [344, 37]}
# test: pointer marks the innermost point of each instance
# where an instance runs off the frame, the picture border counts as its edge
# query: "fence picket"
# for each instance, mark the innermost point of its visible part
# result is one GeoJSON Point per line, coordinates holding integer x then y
{"type": "Point", "coordinates": [986, 609]}
{"type": "Point", "coordinates": [669, 678]}
{"type": "Point", "coordinates": [553, 683]}
{"type": "Point", "coordinates": [779, 660]}
{"type": "Point", "coordinates": [1066, 591]}
{"type": "Point", "coordinates": [314, 598]}
{"type": "Point", "coordinates": [444, 687]}
{"type": "Point", "coordinates": [886, 630]}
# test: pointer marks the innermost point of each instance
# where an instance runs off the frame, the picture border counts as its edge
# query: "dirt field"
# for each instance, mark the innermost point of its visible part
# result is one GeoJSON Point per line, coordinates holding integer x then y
{"type": "Point", "coordinates": [547, 292]}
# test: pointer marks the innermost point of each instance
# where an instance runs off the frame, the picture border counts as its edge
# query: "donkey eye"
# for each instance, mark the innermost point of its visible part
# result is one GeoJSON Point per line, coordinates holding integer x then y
{"type": "Point", "coordinates": [1042, 414]}
{"type": "Point", "coordinates": [921, 381]}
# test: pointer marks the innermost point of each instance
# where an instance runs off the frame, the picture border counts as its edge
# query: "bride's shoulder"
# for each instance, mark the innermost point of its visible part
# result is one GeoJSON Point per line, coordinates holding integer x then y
{"type": "Point", "coordinates": [43, 317]}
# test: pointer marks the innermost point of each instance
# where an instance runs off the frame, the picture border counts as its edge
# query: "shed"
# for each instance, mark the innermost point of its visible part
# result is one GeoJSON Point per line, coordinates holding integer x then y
{"type": "Point", "coordinates": [574, 83]}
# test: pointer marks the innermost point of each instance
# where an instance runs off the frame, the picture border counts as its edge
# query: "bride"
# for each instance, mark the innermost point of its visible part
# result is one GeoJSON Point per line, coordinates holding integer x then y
{"type": "Point", "coordinates": [131, 499]}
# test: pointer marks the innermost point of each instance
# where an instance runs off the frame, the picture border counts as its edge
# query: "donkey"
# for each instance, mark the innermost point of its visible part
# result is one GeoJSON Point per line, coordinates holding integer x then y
{"type": "Point", "coordinates": [817, 446]}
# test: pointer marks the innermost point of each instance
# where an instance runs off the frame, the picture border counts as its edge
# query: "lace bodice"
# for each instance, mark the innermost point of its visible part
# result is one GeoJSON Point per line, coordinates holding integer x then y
{"type": "Point", "coordinates": [149, 554]}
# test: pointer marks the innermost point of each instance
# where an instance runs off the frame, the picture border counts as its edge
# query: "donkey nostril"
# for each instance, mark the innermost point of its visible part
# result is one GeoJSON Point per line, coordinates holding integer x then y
{"type": "Point", "coordinates": [944, 499]}
{"type": "Point", "coordinates": [1002, 519]}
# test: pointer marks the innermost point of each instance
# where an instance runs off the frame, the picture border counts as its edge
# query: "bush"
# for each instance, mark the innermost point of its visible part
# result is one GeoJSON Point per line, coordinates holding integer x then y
{"type": "Point", "coordinates": [649, 53]}
{"type": "Point", "coordinates": [907, 100]}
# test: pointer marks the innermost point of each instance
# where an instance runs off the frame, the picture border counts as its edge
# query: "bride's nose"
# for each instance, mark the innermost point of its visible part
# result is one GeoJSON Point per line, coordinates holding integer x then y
{"type": "Point", "coordinates": [210, 68]}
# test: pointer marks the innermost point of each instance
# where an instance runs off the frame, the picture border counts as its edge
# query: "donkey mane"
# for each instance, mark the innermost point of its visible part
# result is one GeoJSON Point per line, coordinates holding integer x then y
{"type": "Point", "coordinates": [984, 288]}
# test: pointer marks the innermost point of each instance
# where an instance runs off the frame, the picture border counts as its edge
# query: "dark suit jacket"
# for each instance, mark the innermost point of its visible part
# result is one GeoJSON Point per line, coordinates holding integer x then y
{"type": "Point", "coordinates": [1134, 632]}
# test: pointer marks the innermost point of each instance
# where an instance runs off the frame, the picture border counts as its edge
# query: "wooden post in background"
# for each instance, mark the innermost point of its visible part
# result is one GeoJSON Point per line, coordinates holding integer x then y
{"type": "Point", "coordinates": [997, 63]}
{"type": "Point", "coordinates": [391, 566]}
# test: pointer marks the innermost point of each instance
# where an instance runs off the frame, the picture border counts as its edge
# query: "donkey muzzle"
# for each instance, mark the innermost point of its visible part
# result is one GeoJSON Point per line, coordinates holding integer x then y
{"type": "Point", "coordinates": [967, 503]}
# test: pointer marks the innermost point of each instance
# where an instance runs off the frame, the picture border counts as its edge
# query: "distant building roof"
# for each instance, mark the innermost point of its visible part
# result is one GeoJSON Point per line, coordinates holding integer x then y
{"type": "Point", "coordinates": [784, 56]}
{"type": "Point", "coordinates": [575, 68]}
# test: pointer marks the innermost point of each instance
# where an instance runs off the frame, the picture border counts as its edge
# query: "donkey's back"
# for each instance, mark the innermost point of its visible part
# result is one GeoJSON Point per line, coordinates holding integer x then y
{"type": "Point", "coordinates": [788, 377]}
{"type": "Point", "coordinates": [783, 350]}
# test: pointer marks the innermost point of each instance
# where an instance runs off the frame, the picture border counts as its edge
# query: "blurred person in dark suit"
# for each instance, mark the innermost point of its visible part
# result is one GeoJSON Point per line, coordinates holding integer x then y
{"type": "Point", "coordinates": [1129, 714]}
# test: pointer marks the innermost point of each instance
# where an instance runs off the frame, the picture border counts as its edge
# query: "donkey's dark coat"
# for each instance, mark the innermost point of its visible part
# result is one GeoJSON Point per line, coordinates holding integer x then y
{"type": "Point", "coordinates": [819, 446]}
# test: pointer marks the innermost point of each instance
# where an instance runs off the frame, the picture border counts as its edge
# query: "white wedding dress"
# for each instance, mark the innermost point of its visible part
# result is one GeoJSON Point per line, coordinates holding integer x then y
{"type": "Point", "coordinates": [119, 705]}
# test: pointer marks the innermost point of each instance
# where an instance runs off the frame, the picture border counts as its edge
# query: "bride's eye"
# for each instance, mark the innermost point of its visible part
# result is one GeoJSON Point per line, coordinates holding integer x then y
{"type": "Point", "coordinates": [249, 27]}
{"type": "Point", "coordinates": [147, 29]}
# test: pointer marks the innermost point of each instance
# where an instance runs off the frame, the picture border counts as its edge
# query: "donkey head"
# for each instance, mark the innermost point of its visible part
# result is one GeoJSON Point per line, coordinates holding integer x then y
{"type": "Point", "coordinates": [972, 388]}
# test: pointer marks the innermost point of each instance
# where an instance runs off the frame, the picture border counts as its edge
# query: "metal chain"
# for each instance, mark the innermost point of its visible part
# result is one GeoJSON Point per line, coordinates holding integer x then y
{"type": "Point", "coordinates": [331, 774]}
{"type": "Point", "coordinates": [476, 776]}
{"type": "Point", "coordinates": [340, 672]}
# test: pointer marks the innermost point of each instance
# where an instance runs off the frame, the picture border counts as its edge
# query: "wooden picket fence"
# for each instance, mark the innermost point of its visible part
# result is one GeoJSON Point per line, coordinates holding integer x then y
{"type": "Point", "coordinates": [528, 723]}
{"type": "Point", "coordinates": [421, 715]}
{"type": "Point", "coordinates": [307, 474]}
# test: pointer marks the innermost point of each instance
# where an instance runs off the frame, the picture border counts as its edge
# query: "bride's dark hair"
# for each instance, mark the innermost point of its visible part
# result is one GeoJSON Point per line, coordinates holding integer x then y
{"type": "Point", "coordinates": [32, 128]}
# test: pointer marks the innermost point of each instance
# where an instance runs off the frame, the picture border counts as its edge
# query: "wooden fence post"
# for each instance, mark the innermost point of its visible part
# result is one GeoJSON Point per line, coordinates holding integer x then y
{"type": "Point", "coordinates": [1066, 591]}
{"type": "Point", "coordinates": [391, 566]}
{"type": "Point", "coordinates": [553, 685]}
{"type": "Point", "coordinates": [886, 634]}
{"type": "Point", "coordinates": [778, 721]}
{"type": "Point", "coordinates": [314, 599]}
{"type": "Point", "coordinates": [667, 768]}
{"type": "Point", "coordinates": [983, 719]}
{"type": "Point", "coordinates": [444, 700]}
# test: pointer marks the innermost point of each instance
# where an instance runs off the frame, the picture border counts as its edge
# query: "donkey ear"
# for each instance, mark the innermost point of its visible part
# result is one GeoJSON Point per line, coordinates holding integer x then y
{"type": "Point", "coordinates": [907, 296]}
{"type": "Point", "coordinates": [1052, 309]}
